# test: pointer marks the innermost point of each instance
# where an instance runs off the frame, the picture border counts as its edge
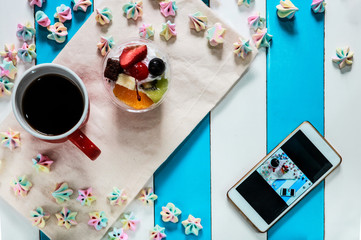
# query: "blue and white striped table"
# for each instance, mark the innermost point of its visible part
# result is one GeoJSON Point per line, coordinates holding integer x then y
{"type": "Point", "coordinates": [292, 81]}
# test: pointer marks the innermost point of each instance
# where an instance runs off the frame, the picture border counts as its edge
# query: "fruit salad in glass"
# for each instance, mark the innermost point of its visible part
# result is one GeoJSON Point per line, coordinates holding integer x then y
{"type": "Point", "coordinates": [136, 75]}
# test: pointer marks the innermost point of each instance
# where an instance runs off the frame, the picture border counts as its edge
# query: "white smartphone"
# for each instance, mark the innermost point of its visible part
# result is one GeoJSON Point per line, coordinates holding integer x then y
{"type": "Point", "coordinates": [282, 178]}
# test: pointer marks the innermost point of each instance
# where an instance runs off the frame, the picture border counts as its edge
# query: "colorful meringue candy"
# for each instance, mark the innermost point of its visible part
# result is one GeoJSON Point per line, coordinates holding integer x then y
{"type": "Point", "coordinates": [42, 163]}
{"type": "Point", "coordinates": [117, 197]}
{"type": "Point", "coordinates": [170, 213]}
{"type": "Point", "coordinates": [27, 52]}
{"type": "Point", "coordinates": [21, 186]}
{"type": "Point", "coordinates": [147, 196]}
{"type": "Point", "coordinates": [242, 48]}
{"type": "Point", "coordinates": [129, 221]}
{"type": "Point", "coordinates": [10, 53]}
{"type": "Point", "coordinates": [62, 192]}
{"type": "Point", "coordinates": [66, 218]}
{"type": "Point", "coordinates": [198, 21]}
{"type": "Point", "coordinates": [192, 225]}
{"type": "Point", "coordinates": [38, 217]}
{"type": "Point", "coordinates": [63, 13]}
{"type": "Point", "coordinates": [25, 32]}
{"type": "Point", "coordinates": [244, 2]}
{"type": "Point", "coordinates": [146, 31]}
{"type": "Point", "coordinates": [38, 3]}
{"type": "Point", "coordinates": [5, 86]}
{"type": "Point", "coordinates": [10, 139]}
{"type": "Point", "coordinates": [318, 6]}
{"type": "Point", "coordinates": [343, 56]}
{"type": "Point", "coordinates": [157, 233]}
{"type": "Point", "coordinates": [58, 32]}
{"type": "Point", "coordinates": [261, 38]}
{"type": "Point", "coordinates": [168, 8]}
{"type": "Point", "coordinates": [168, 30]}
{"type": "Point", "coordinates": [215, 34]}
{"type": "Point", "coordinates": [256, 22]}
{"type": "Point", "coordinates": [8, 69]}
{"type": "Point", "coordinates": [117, 234]}
{"type": "Point", "coordinates": [286, 9]}
{"type": "Point", "coordinates": [103, 16]}
{"type": "Point", "coordinates": [42, 19]}
{"type": "Point", "coordinates": [133, 9]}
{"type": "Point", "coordinates": [81, 5]}
{"type": "Point", "coordinates": [105, 44]}
{"type": "Point", "coordinates": [86, 196]}
{"type": "Point", "coordinates": [98, 220]}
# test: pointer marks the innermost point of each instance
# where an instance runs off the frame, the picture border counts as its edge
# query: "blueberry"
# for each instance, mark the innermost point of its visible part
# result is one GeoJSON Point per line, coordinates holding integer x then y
{"type": "Point", "coordinates": [156, 67]}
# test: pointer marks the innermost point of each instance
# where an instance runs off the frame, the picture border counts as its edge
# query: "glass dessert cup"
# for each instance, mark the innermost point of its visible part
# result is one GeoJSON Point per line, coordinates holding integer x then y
{"type": "Point", "coordinates": [139, 86]}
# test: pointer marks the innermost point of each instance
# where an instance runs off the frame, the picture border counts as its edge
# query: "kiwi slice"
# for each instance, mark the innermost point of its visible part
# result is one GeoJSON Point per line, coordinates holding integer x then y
{"type": "Point", "coordinates": [155, 89]}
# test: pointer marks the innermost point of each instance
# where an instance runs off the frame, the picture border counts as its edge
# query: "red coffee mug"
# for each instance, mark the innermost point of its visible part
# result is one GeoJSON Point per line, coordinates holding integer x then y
{"type": "Point", "coordinates": [76, 136]}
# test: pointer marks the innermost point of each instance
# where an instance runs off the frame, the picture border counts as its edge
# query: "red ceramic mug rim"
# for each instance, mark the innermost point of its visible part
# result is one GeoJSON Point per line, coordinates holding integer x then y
{"type": "Point", "coordinates": [16, 104]}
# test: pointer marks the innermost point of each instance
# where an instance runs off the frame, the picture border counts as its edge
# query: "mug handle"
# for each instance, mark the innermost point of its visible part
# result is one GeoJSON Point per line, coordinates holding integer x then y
{"type": "Point", "coordinates": [79, 139]}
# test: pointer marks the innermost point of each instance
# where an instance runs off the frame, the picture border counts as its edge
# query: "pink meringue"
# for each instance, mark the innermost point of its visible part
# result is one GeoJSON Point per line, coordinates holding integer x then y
{"type": "Point", "coordinates": [38, 3]}
{"type": "Point", "coordinates": [10, 53]}
{"type": "Point", "coordinates": [168, 30]}
{"type": "Point", "coordinates": [42, 19]}
{"type": "Point", "coordinates": [168, 8]}
{"type": "Point", "coordinates": [63, 13]}
{"type": "Point", "coordinates": [81, 5]}
{"type": "Point", "coordinates": [215, 34]}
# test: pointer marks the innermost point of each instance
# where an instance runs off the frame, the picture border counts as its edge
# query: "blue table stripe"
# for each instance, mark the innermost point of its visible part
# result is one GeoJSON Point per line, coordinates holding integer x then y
{"type": "Point", "coordinates": [46, 49]}
{"type": "Point", "coordinates": [185, 180]}
{"type": "Point", "coordinates": [295, 93]}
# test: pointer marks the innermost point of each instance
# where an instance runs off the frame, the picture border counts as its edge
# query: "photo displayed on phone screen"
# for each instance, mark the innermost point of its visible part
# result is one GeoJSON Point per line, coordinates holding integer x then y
{"type": "Point", "coordinates": [285, 178]}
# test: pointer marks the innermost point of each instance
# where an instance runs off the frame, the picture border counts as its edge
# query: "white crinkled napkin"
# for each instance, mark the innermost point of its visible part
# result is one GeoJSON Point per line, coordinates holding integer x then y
{"type": "Point", "coordinates": [133, 145]}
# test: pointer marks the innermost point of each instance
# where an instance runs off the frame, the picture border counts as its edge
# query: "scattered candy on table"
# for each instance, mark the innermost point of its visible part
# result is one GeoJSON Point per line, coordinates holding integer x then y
{"type": "Point", "coordinates": [256, 22]}
{"type": "Point", "coordinates": [343, 56]}
{"type": "Point", "coordinates": [42, 163]}
{"type": "Point", "coordinates": [38, 217]}
{"type": "Point", "coordinates": [27, 52]}
{"type": "Point", "coordinates": [168, 8]}
{"type": "Point", "coordinates": [146, 31]}
{"type": "Point", "coordinates": [318, 6]}
{"type": "Point", "coordinates": [8, 69]}
{"type": "Point", "coordinates": [117, 197]}
{"type": "Point", "coordinates": [58, 32]}
{"type": "Point", "coordinates": [244, 2]}
{"type": "Point", "coordinates": [63, 13]}
{"type": "Point", "coordinates": [117, 234]}
{"type": "Point", "coordinates": [215, 34]}
{"type": "Point", "coordinates": [5, 86]}
{"type": "Point", "coordinates": [286, 9]}
{"type": "Point", "coordinates": [98, 220]}
{"type": "Point", "coordinates": [66, 218]}
{"type": "Point", "coordinates": [81, 5]}
{"type": "Point", "coordinates": [105, 44]}
{"type": "Point", "coordinates": [10, 53]}
{"type": "Point", "coordinates": [38, 3]}
{"type": "Point", "coordinates": [168, 30]}
{"type": "Point", "coordinates": [147, 196]}
{"type": "Point", "coordinates": [261, 38]}
{"type": "Point", "coordinates": [25, 32]}
{"type": "Point", "coordinates": [103, 16]}
{"type": "Point", "coordinates": [10, 139]}
{"type": "Point", "coordinates": [42, 19]}
{"type": "Point", "coordinates": [133, 9]}
{"type": "Point", "coordinates": [198, 21]}
{"type": "Point", "coordinates": [86, 196]}
{"type": "Point", "coordinates": [242, 48]}
{"type": "Point", "coordinates": [157, 233]}
{"type": "Point", "coordinates": [62, 192]}
{"type": "Point", "coordinates": [192, 225]}
{"type": "Point", "coordinates": [170, 213]}
{"type": "Point", "coordinates": [129, 221]}
{"type": "Point", "coordinates": [21, 186]}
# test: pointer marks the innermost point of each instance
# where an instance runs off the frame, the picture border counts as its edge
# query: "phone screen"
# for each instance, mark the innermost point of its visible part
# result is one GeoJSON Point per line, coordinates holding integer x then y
{"type": "Point", "coordinates": [284, 177]}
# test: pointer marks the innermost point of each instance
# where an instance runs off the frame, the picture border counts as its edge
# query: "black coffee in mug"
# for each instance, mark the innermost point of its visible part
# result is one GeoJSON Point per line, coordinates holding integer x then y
{"type": "Point", "coordinates": [52, 104]}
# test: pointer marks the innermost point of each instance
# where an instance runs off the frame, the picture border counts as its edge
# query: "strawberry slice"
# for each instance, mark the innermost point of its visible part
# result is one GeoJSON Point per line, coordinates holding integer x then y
{"type": "Point", "coordinates": [132, 55]}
